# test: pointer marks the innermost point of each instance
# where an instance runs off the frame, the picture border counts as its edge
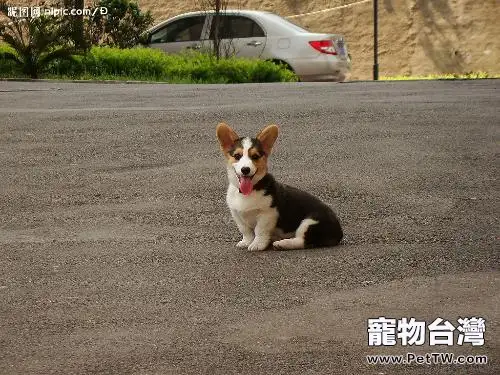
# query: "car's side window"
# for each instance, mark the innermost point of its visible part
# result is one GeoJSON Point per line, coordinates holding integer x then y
{"type": "Point", "coordinates": [159, 36]}
{"type": "Point", "coordinates": [232, 27]}
{"type": "Point", "coordinates": [184, 30]}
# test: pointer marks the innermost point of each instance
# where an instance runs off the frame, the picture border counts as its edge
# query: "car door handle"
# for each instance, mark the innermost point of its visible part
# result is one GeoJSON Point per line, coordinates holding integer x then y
{"type": "Point", "coordinates": [194, 46]}
{"type": "Point", "coordinates": [254, 43]}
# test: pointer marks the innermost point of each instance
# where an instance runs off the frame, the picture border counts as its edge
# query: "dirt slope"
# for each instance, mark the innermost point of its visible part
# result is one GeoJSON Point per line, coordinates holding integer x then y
{"type": "Point", "coordinates": [416, 36]}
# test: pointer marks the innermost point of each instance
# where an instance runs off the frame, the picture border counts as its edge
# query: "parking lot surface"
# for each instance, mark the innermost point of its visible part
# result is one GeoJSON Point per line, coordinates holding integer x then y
{"type": "Point", "coordinates": [117, 252]}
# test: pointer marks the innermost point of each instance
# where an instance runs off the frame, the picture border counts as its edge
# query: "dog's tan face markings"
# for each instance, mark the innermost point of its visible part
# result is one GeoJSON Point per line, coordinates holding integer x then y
{"type": "Point", "coordinates": [259, 159]}
{"type": "Point", "coordinates": [254, 154]}
{"type": "Point", "coordinates": [249, 150]}
{"type": "Point", "coordinates": [234, 155]}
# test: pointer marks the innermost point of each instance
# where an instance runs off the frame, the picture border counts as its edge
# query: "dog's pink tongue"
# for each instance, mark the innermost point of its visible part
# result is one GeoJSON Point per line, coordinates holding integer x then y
{"type": "Point", "coordinates": [246, 186]}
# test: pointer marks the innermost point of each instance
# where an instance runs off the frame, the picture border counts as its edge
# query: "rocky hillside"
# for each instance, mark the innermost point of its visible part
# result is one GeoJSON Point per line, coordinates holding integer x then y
{"type": "Point", "coordinates": [416, 36]}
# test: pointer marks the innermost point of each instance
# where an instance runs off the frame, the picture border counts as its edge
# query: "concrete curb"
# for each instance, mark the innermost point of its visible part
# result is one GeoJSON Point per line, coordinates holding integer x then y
{"type": "Point", "coordinates": [80, 81]}
{"type": "Point", "coordinates": [111, 81]}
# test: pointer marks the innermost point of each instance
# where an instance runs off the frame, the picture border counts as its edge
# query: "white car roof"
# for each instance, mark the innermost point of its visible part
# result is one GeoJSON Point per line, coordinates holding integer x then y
{"type": "Point", "coordinates": [273, 23]}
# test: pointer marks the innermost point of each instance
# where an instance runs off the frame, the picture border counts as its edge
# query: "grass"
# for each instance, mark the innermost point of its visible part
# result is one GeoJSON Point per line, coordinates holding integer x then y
{"type": "Point", "coordinates": [146, 64]}
{"type": "Point", "coordinates": [470, 75]}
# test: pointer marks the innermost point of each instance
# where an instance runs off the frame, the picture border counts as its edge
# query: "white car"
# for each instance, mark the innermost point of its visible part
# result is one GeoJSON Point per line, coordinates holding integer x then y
{"type": "Point", "coordinates": [264, 35]}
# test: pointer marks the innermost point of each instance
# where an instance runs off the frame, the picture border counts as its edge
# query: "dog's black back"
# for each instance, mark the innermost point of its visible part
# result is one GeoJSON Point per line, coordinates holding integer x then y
{"type": "Point", "coordinates": [295, 205]}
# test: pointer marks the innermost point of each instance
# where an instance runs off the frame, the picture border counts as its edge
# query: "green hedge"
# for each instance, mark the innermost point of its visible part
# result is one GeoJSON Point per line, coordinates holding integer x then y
{"type": "Point", "coordinates": [154, 65]}
{"type": "Point", "coordinates": [7, 67]}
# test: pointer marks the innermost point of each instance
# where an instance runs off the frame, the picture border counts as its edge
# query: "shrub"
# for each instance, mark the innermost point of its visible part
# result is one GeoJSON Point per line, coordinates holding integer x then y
{"type": "Point", "coordinates": [34, 42]}
{"type": "Point", "coordinates": [154, 65]}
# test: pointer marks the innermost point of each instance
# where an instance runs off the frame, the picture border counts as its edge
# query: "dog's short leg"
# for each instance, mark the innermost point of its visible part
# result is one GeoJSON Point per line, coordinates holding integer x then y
{"type": "Point", "coordinates": [289, 244]}
{"type": "Point", "coordinates": [296, 242]}
{"type": "Point", "coordinates": [245, 230]}
{"type": "Point", "coordinates": [245, 241]}
{"type": "Point", "coordinates": [278, 234]}
{"type": "Point", "coordinates": [265, 226]}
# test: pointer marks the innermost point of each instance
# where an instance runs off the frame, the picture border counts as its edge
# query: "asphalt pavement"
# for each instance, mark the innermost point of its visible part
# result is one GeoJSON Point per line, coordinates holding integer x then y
{"type": "Point", "coordinates": [117, 252]}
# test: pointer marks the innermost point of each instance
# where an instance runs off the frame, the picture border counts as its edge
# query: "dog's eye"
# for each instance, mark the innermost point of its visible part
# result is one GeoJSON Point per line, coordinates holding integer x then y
{"type": "Point", "coordinates": [255, 157]}
{"type": "Point", "coordinates": [237, 156]}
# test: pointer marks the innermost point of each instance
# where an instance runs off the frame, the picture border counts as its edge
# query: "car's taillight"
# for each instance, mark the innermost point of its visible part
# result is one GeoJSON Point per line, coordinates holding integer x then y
{"type": "Point", "coordinates": [324, 46]}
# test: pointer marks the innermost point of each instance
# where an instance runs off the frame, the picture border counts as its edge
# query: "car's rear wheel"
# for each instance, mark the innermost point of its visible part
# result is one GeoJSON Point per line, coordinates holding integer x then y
{"type": "Point", "coordinates": [284, 64]}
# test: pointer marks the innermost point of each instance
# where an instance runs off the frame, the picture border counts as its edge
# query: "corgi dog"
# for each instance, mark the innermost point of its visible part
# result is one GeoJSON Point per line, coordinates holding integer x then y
{"type": "Point", "coordinates": [265, 210]}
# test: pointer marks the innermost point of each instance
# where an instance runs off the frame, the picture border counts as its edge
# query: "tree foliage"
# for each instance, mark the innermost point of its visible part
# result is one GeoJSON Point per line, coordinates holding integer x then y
{"type": "Point", "coordinates": [121, 27]}
{"type": "Point", "coordinates": [35, 41]}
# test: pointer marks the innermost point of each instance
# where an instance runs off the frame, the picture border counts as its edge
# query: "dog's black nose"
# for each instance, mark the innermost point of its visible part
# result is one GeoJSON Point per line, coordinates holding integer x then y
{"type": "Point", "coordinates": [245, 170]}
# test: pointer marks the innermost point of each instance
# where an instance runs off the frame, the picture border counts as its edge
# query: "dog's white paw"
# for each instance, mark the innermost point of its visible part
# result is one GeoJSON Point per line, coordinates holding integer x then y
{"type": "Point", "coordinates": [289, 244]}
{"type": "Point", "coordinates": [245, 242]}
{"type": "Point", "coordinates": [277, 245]}
{"type": "Point", "coordinates": [259, 244]}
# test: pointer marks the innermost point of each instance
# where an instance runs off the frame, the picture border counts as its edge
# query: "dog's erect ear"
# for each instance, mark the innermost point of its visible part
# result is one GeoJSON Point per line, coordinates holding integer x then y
{"type": "Point", "coordinates": [227, 136]}
{"type": "Point", "coordinates": [267, 137]}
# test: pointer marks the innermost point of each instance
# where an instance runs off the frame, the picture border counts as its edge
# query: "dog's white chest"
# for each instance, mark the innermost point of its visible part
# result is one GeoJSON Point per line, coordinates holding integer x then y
{"type": "Point", "coordinates": [256, 200]}
{"type": "Point", "coordinates": [249, 207]}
